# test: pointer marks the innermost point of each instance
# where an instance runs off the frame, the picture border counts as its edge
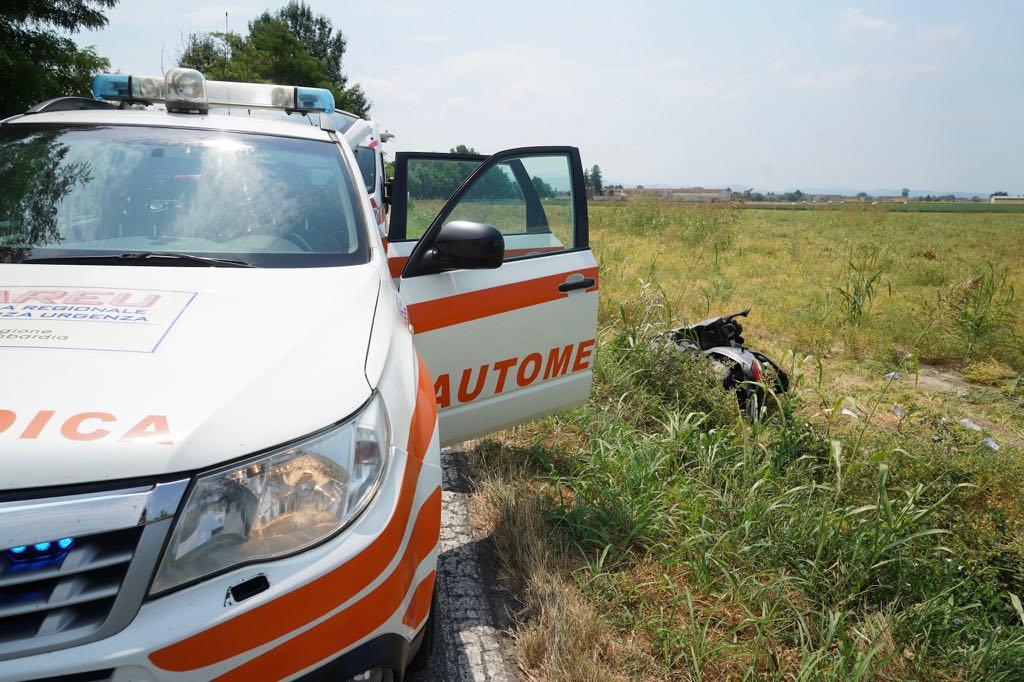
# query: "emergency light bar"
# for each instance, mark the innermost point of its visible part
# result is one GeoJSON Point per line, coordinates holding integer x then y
{"type": "Point", "coordinates": [185, 90]}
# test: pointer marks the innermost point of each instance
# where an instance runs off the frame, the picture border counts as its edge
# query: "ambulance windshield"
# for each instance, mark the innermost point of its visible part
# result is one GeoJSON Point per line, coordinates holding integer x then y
{"type": "Point", "coordinates": [77, 192]}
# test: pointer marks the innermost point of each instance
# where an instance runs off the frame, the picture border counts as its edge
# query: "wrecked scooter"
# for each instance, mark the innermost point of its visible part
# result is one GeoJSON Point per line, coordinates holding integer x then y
{"type": "Point", "coordinates": [745, 371]}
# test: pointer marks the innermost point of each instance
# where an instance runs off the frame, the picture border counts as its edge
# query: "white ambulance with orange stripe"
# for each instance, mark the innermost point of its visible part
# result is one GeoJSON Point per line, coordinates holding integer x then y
{"type": "Point", "coordinates": [224, 385]}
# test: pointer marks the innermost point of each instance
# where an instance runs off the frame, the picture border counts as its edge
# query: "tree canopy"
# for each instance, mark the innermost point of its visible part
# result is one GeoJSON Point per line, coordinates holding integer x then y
{"type": "Point", "coordinates": [291, 46]}
{"type": "Point", "coordinates": [37, 62]}
{"type": "Point", "coordinates": [596, 182]}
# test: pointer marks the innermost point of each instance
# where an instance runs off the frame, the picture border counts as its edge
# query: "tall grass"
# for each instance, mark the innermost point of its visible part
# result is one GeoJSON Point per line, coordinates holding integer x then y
{"type": "Point", "coordinates": [656, 534]}
{"type": "Point", "coordinates": [720, 548]}
{"type": "Point", "coordinates": [981, 314]}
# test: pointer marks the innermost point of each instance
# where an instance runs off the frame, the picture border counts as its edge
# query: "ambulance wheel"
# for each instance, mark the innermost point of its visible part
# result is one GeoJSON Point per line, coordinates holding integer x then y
{"type": "Point", "coordinates": [422, 656]}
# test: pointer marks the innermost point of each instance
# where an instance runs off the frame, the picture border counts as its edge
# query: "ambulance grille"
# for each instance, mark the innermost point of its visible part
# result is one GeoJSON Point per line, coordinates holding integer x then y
{"type": "Point", "coordinates": [74, 593]}
{"type": "Point", "coordinates": [53, 597]}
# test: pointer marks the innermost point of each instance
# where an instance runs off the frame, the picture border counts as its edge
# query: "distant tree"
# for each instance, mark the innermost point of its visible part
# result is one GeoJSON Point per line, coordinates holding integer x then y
{"type": "Point", "coordinates": [430, 179]}
{"type": "Point", "coordinates": [270, 54]}
{"type": "Point", "coordinates": [327, 45]}
{"type": "Point", "coordinates": [437, 179]}
{"type": "Point", "coordinates": [1000, 193]}
{"type": "Point", "coordinates": [544, 190]}
{"type": "Point", "coordinates": [596, 182]}
{"type": "Point", "coordinates": [863, 196]}
{"type": "Point", "coordinates": [905, 193]}
{"type": "Point", "coordinates": [291, 46]}
{"type": "Point", "coordinates": [37, 60]}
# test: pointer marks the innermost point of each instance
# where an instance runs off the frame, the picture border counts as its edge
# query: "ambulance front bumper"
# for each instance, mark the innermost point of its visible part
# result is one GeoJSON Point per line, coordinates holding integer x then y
{"type": "Point", "coordinates": [360, 598]}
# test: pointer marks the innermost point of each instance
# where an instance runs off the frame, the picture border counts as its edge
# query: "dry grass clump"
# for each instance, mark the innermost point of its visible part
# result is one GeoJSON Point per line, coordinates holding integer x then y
{"type": "Point", "coordinates": [560, 633]}
{"type": "Point", "coordinates": [990, 372]}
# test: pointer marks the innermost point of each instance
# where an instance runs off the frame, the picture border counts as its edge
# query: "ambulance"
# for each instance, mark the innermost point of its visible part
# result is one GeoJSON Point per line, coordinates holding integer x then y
{"type": "Point", "coordinates": [230, 351]}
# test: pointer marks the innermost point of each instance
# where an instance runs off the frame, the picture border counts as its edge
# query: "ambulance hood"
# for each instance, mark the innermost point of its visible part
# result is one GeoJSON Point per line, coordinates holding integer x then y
{"type": "Point", "coordinates": [115, 372]}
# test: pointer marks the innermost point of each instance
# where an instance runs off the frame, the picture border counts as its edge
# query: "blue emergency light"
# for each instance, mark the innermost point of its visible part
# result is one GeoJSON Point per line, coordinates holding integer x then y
{"type": "Point", "coordinates": [112, 86]}
{"type": "Point", "coordinates": [314, 99]}
{"type": "Point", "coordinates": [46, 551]}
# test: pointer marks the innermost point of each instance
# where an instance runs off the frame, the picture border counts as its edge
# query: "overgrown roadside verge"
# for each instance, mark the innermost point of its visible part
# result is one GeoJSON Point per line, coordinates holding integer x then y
{"type": "Point", "coordinates": [655, 534]}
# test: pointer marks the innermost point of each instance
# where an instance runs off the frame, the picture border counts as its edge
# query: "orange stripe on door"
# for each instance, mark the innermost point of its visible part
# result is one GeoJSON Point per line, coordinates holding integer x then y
{"type": "Point", "coordinates": [445, 312]}
{"type": "Point", "coordinates": [312, 600]}
{"type": "Point", "coordinates": [347, 627]}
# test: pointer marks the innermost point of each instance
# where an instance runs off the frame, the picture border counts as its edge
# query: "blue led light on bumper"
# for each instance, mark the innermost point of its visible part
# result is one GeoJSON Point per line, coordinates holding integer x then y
{"type": "Point", "coordinates": [47, 551]}
{"type": "Point", "coordinates": [314, 99]}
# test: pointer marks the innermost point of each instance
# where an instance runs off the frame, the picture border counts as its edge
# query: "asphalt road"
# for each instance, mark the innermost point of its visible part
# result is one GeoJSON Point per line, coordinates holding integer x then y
{"type": "Point", "coordinates": [472, 643]}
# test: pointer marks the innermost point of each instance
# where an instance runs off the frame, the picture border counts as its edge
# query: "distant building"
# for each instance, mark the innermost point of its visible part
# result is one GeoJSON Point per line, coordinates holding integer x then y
{"type": "Point", "coordinates": [1008, 200]}
{"type": "Point", "coordinates": [691, 194]}
{"type": "Point", "coordinates": [700, 194]}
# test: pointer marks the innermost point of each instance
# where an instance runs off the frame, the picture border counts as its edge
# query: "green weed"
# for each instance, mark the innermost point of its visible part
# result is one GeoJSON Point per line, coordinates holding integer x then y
{"type": "Point", "coordinates": [863, 279]}
{"type": "Point", "coordinates": [981, 316]}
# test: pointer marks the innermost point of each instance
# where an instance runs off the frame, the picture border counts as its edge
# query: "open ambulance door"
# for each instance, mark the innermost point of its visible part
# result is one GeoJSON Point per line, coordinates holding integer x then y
{"type": "Point", "coordinates": [514, 341]}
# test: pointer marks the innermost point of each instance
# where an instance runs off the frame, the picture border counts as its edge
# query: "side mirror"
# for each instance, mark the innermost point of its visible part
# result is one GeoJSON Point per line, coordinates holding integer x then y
{"type": "Point", "coordinates": [462, 244]}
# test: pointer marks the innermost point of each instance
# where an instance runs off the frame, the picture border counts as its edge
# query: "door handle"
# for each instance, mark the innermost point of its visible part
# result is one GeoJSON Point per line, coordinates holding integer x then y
{"type": "Point", "coordinates": [574, 284]}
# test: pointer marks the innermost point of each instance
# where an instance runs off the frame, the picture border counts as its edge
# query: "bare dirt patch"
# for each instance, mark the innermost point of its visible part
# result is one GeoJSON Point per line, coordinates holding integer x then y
{"type": "Point", "coordinates": [941, 379]}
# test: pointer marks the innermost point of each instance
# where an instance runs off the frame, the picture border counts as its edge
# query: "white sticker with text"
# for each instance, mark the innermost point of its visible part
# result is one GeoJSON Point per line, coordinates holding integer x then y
{"type": "Point", "coordinates": [88, 318]}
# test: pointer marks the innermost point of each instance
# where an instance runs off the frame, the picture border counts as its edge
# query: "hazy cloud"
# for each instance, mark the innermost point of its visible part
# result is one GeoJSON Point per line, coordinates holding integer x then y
{"type": "Point", "coordinates": [945, 36]}
{"type": "Point", "coordinates": [856, 20]}
{"type": "Point", "coordinates": [859, 71]}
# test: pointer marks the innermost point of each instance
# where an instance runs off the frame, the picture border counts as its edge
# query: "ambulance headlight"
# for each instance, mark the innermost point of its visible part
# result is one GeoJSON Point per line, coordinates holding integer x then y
{"type": "Point", "coordinates": [280, 503]}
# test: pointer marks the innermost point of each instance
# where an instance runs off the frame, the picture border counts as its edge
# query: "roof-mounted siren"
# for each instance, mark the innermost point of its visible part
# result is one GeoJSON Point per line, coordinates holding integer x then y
{"type": "Point", "coordinates": [185, 90]}
{"type": "Point", "coordinates": [265, 96]}
{"type": "Point", "coordinates": [314, 99]}
{"type": "Point", "coordinates": [123, 87]}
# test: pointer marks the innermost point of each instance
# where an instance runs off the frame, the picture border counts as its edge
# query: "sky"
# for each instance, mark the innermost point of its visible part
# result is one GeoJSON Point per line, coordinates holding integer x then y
{"type": "Point", "coordinates": [775, 96]}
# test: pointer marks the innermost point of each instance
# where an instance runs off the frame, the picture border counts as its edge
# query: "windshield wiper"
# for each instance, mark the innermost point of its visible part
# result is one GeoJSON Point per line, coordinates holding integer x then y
{"type": "Point", "coordinates": [136, 256]}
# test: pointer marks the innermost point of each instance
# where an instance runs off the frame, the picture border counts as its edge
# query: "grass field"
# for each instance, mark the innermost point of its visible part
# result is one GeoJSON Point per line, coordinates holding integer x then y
{"type": "Point", "coordinates": [859, 530]}
{"type": "Point", "coordinates": [910, 207]}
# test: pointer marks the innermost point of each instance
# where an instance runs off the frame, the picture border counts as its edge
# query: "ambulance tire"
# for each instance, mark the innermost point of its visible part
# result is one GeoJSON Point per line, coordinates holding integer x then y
{"type": "Point", "coordinates": [422, 657]}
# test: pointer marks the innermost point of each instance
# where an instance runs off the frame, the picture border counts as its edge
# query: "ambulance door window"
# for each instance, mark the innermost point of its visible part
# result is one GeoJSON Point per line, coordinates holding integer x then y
{"type": "Point", "coordinates": [529, 198]}
{"type": "Point", "coordinates": [423, 182]}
